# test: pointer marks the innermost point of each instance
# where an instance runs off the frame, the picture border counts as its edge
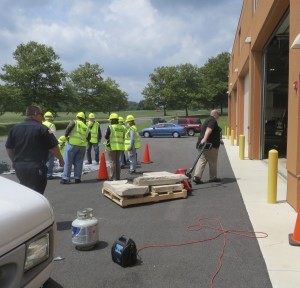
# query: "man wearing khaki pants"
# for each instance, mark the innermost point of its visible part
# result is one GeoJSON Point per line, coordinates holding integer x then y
{"type": "Point", "coordinates": [210, 133]}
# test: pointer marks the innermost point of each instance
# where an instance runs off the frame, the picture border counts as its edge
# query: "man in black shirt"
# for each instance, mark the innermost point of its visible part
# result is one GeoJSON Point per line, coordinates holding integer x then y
{"type": "Point", "coordinates": [210, 133]}
{"type": "Point", "coordinates": [28, 145]}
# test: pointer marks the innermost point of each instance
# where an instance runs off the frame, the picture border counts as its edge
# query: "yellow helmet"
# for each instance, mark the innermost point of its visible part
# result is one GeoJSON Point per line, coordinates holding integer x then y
{"type": "Point", "coordinates": [129, 118]}
{"type": "Point", "coordinates": [92, 115]}
{"type": "Point", "coordinates": [62, 139]}
{"type": "Point", "coordinates": [121, 119]}
{"type": "Point", "coordinates": [48, 114]}
{"type": "Point", "coordinates": [81, 115]}
{"type": "Point", "coordinates": [113, 116]}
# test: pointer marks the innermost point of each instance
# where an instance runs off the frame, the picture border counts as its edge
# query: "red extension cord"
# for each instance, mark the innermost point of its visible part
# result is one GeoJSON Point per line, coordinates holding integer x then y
{"type": "Point", "coordinates": [200, 225]}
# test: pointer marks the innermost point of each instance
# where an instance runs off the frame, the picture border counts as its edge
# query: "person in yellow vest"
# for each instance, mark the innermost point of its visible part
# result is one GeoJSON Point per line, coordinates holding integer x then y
{"type": "Point", "coordinates": [132, 143]}
{"type": "Point", "coordinates": [114, 145]}
{"type": "Point", "coordinates": [122, 155]}
{"type": "Point", "coordinates": [78, 136]}
{"type": "Point", "coordinates": [48, 116]}
{"type": "Point", "coordinates": [62, 144]}
{"type": "Point", "coordinates": [96, 136]}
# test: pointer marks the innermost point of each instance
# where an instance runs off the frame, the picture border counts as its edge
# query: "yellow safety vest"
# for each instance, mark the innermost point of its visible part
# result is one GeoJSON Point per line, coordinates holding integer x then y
{"type": "Point", "coordinates": [79, 134]}
{"type": "Point", "coordinates": [116, 138]}
{"type": "Point", "coordinates": [137, 138]}
{"type": "Point", "coordinates": [49, 124]}
{"type": "Point", "coordinates": [94, 132]}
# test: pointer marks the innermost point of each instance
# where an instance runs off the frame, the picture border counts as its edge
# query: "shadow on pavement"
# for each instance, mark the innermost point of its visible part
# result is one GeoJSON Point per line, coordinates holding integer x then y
{"type": "Point", "coordinates": [52, 284]}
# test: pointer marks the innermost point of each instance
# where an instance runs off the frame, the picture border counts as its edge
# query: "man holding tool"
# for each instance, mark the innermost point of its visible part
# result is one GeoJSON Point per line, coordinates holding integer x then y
{"type": "Point", "coordinates": [210, 133]}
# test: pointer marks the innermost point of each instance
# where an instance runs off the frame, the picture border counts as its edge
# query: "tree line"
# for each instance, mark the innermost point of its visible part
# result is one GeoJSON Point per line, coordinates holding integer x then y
{"type": "Point", "coordinates": [37, 77]}
{"type": "Point", "coordinates": [189, 86]}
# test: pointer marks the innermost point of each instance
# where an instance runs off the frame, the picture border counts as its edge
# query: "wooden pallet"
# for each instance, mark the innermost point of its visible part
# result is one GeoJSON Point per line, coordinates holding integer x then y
{"type": "Point", "coordinates": [152, 197]}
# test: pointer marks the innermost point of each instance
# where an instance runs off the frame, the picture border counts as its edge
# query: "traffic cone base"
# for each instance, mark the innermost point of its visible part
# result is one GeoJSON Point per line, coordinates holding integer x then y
{"type": "Point", "coordinates": [102, 172]}
{"type": "Point", "coordinates": [292, 241]}
{"type": "Point", "coordinates": [146, 155]}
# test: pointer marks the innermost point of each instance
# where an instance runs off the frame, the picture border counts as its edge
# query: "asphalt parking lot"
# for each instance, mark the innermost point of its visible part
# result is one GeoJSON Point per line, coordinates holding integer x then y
{"type": "Point", "coordinates": [238, 258]}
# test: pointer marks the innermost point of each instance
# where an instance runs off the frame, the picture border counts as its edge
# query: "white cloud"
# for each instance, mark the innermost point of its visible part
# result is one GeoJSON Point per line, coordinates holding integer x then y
{"type": "Point", "coordinates": [128, 39]}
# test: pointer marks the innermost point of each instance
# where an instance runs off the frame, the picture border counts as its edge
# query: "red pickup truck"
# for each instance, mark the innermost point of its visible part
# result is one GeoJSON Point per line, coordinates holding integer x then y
{"type": "Point", "coordinates": [192, 124]}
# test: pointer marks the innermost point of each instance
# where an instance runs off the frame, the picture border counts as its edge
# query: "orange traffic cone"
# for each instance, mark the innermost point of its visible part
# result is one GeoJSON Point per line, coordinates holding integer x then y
{"type": "Point", "coordinates": [146, 155]}
{"type": "Point", "coordinates": [294, 239]}
{"type": "Point", "coordinates": [102, 172]}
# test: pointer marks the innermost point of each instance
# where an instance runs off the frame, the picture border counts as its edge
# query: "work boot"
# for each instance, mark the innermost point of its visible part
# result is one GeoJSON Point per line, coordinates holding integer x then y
{"type": "Point", "coordinates": [197, 180]}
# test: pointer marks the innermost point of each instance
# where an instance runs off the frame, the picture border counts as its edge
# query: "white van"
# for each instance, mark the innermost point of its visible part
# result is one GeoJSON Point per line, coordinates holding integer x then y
{"type": "Point", "coordinates": [27, 236]}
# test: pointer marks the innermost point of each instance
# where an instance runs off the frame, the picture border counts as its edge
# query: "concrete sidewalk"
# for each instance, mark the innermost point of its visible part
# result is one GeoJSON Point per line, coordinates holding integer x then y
{"type": "Point", "coordinates": [277, 220]}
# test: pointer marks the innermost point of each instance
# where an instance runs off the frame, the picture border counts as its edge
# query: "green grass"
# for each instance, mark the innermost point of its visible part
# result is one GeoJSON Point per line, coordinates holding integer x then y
{"type": "Point", "coordinates": [223, 121]}
{"type": "Point", "coordinates": [10, 117]}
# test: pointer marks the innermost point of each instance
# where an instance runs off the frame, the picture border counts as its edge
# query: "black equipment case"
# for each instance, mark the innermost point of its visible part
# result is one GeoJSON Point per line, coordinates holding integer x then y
{"type": "Point", "coordinates": [124, 252]}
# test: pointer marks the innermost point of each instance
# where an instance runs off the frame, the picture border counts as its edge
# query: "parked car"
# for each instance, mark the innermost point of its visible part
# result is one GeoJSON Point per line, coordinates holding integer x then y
{"type": "Point", "coordinates": [192, 124]}
{"type": "Point", "coordinates": [164, 129]}
{"type": "Point", "coordinates": [28, 234]}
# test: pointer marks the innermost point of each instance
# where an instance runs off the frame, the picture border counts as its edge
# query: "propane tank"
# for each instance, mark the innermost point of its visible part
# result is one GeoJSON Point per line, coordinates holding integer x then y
{"type": "Point", "coordinates": [85, 230]}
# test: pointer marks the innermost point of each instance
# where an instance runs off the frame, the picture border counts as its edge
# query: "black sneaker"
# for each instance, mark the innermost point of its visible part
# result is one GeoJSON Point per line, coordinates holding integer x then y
{"type": "Point", "coordinates": [50, 177]}
{"type": "Point", "coordinates": [215, 180]}
{"type": "Point", "coordinates": [131, 172]}
{"type": "Point", "coordinates": [77, 181]}
{"type": "Point", "coordinates": [64, 181]}
{"type": "Point", "coordinates": [197, 180]}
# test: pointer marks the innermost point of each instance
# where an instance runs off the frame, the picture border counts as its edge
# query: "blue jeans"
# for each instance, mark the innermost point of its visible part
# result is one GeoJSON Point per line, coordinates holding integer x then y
{"type": "Point", "coordinates": [122, 158]}
{"type": "Point", "coordinates": [132, 159]}
{"type": "Point", "coordinates": [50, 164]}
{"type": "Point", "coordinates": [89, 150]}
{"type": "Point", "coordinates": [74, 155]}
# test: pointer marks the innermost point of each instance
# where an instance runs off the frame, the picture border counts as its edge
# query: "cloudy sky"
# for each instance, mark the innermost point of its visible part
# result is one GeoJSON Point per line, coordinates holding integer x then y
{"type": "Point", "coordinates": [127, 38]}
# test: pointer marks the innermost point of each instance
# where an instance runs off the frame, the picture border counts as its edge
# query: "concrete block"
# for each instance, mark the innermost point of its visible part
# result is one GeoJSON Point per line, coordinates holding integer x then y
{"type": "Point", "coordinates": [115, 182]}
{"type": "Point", "coordinates": [167, 188]}
{"type": "Point", "coordinates": [125, 189]}
{"type": "Point", "coordinates": [159, 178]}
{"type": "Point", "coordinates": [160, 173]}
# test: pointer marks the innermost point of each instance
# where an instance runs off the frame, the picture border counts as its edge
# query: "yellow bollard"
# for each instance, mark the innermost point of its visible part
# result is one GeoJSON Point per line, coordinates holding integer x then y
{"type": "Point", "coordinates": [228, 134]}
{"type": "Point", "coordinates": [232, 137]}
{"type": "Point", "coordinates": [272, 176]}
{"type": "Point", "coordinates": [242, 147]}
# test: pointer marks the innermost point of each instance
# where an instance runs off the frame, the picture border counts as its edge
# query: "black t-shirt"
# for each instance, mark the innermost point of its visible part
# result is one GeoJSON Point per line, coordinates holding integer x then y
{"type": "Point", "coordinates": [31, 141]}
{"type": "Point", "coordinates": [214, 137]}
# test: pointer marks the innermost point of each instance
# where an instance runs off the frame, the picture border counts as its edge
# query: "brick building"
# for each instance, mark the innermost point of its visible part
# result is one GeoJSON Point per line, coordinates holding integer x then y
{"type": "Point", "coordinates": [263, 93]}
